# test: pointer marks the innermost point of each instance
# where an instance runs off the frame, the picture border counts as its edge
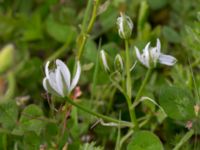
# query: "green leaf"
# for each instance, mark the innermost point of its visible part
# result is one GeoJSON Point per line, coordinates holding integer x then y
{"type": "Point", "coordinates": [8, 114]}
{"type": "Point", "coordinates": [29, 76]}
{"type": "Point", "coordinates": [31, 141]}
{"type": "Point", "coordinates": [157, 4]}
{"type": "Point", "coordinates": [177, 102]}
{"type": "Point", "coordinates": [32, 27]}
{"type": "Point", "coordinates": [60, 32]}
{"type": "Point", "coordinates": [145, 140]}
{"type": "Point", "coordinates": [108, 20]}
{"type": "Point", "coordinates": [90, 52]}
{"type": "Point", "coordinates": [31, 120]}
{"type": "Point", "coordinates": [171, 35]}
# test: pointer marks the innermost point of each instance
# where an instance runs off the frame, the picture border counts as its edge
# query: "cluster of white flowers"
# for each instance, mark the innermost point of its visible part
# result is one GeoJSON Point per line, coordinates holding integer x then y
{"type": "Point", "coordinates": [149, 58]}
{"type": "Point", "coordinates": [151, 55]}
{"type": "Point", "coordinates": [58, 80]}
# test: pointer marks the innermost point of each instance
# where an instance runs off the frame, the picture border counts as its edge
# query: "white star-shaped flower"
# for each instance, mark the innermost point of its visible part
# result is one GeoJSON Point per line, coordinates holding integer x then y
{"type": "Point", "coordinates": [58, 80]}
{"type": "Point", "coordinates": [152, 55]}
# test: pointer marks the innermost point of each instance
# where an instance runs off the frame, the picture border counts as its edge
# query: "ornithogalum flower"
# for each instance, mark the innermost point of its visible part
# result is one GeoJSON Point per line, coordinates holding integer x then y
{"type": "Point", "coordinates": [58, 81]}
{"type": "Point", "coordinates": [125, 26]}
{"type": "Point", "coordinates": [152, 55]}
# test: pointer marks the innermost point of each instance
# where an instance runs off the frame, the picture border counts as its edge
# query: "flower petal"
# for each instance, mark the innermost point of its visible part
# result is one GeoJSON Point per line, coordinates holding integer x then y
{"type": "Point", "coordinates": [137, 51]}
{"type": "Point", "coordinates": [154, 55]}
{"type": "Point", "coordinates": [76, 77]}
{"type": "Point", "coordinates": [145, 58]}
{"type": "Point", "coordinates": [52, 81]}
{"type": "Point", "coordinates": [59, 82]}
{"type": "Point", "coordinates": [142, 57]}
{"type": "Point", "coordinates": [48, 88]}
{"type": "Point", "coordinates": [146, 49]}
{"type": "Point", "coordinates": [44, 83]}
{"type": "Point", "coordinates": [158, 45]}
{"type": "Point", "coordinates": [167, 59]}
{"type": "Point", "coordinates": [47, 68]}
{"type": "Point", "coordinates": [146, 55]}
{"type": "Point", "coordinates": [65, 73]}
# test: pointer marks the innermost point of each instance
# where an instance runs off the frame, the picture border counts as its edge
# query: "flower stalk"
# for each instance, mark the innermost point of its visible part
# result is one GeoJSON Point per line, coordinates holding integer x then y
{"type": "Point", "coordinates": [122, 123]}
{"type": "Point", "coordinates": [139, 93]}
{"type": "Point", "coordinates": [86, 30]}
{"type": "Point", "coordinates": [129, 87]}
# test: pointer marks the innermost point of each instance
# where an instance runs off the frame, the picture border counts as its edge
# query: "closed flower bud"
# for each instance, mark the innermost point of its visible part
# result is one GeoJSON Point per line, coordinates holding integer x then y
{"type": "Point", "coordinates": [104, 60]}
{"type": "Point", "coordinates": [125, 26]}
{"type": "Point", "coordinates": [6, 57]}
{"type": "Point", "coordinates": [118, 63]}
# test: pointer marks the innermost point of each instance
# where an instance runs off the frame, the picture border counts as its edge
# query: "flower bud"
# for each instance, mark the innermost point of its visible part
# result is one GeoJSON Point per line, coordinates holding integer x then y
{"type": "Point", "coordinates": [125, 26]}
{"type": "Point", "coordinates": [104, 60]}
{"type": "Point", "coordinates": [6, 57]}
{"type": "Point", "coordinates": [118, 63]}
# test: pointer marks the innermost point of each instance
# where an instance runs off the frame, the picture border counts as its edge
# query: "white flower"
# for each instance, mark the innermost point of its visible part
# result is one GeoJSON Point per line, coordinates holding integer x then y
{"type": "Point", "coordinates": [58, 81]}
{"type": "Point", "coordinates": [125, 26]}
{"type": "Point", "coordinates": [152, 55]}
{"type": "Point", "coordinates": [104, 60]}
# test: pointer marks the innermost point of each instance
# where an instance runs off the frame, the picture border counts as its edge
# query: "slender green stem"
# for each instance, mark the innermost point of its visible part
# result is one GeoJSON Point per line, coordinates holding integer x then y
{"type": "Point", "coordinates": [129, 87]}
{"type": "Point", "coordinates": [132, 114]}
{"type": "Point", "coordinates": [83, 39]}
{"type": "Point", "coordinates": [86, 16]}
{"type": "Point", "coordinates": [185, 138]}
{"type": "Point", "coordinates": [123, 123]}
{"type": "Point", "coordinates": [84, 33]}
{"type": "Point", "coordinates": [143, 84]}
{"type": "Point", "coordinates": [94, 15]}
{"type": "Point", "coordinates": [128, 79]}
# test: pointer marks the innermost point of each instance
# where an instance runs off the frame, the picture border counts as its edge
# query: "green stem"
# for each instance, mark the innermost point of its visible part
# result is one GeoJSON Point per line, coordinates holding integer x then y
{"type": "Point", "coordinates": [94, 15]}
{"type": "Point", "coordinates": [123, 123]}
{"type": "Point", "coordinates": [84, 33]}
{"type": "Point", "coordinates": [129, 88]}
{"type": "Point", "coordinates": [143, 85]}
{"type": "Point", "coordinates": [132, 114]}
{"type": "Point", "coordinates": [186, 137]}
{"type": "Point", "coordinates": [128, 79]}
